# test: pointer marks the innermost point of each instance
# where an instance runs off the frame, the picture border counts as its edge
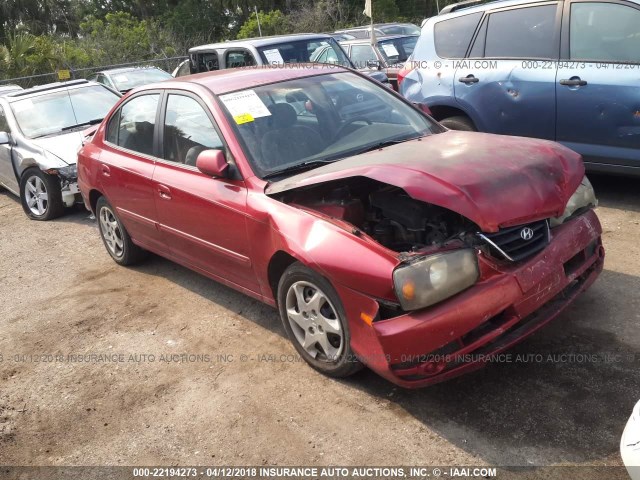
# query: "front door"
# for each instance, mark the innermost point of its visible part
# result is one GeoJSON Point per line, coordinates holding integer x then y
{"type": "Point", "coordinates": [203, 218]}
{"type": "Point", "coordinates": [598, 86]}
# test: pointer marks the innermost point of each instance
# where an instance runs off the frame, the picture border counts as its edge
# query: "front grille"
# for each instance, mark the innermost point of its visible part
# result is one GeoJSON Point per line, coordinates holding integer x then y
{"type": "Point", "coordinates": [509, 244]}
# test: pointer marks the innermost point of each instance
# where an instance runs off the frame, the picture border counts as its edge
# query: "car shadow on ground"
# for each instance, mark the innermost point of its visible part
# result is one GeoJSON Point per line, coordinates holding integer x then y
{"type": "Point", "coordinates": [614, 191]}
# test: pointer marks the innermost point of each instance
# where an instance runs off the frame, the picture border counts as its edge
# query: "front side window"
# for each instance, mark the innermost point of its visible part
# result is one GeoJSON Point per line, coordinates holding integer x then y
{"type": "Point", "coordinates": [188, 130]}
{"type": "Point", "coordinates": [136, 124]}
{"type": "Point", "coordinates": [452, 37]}
{"type": "Point", "coordinates": [4, 125]}
{"type": "Point", "coordinates": [605, 32]}
{"type": "Point", "coordinates": [522, 33]}
{"type": "Point", "coordinates": [62, 110]}
{"type": "Point", "coordinates": [318, 119]}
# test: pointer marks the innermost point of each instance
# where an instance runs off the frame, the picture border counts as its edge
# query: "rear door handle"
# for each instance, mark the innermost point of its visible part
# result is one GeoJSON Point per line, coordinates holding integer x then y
{"type": "Point", "coordinates": [164, 192]}
{"type": "Point", "coordinates": [469, 79]}
{"type": "Point", "coordinates": [573, 82]}
{"type": "Point", "coordinates": [106, 171]}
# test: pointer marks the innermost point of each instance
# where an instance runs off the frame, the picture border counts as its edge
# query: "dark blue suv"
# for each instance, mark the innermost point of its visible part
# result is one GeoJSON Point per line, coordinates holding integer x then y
{"type": "Point", "coordinates": [565, 70]}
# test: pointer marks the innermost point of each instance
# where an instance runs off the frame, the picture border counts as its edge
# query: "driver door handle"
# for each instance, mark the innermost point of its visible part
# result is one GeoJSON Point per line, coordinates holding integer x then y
{"type": "Point", "coordinates": [164, 192]}
{"type": "Point", "coordinates": [469, 79]}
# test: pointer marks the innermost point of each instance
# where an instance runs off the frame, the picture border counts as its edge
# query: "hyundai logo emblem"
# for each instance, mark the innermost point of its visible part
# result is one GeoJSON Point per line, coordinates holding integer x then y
{"type": "Point", "coordinates": [526, 233]}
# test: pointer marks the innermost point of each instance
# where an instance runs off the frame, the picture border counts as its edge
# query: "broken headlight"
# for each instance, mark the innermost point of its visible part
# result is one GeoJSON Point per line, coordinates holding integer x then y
{"type": "Point", "coordinates": [68, 173]}
{"type": "Point", "coordinates": [583, 198]}
{"type": "Point", "coordinates": [431, 279]}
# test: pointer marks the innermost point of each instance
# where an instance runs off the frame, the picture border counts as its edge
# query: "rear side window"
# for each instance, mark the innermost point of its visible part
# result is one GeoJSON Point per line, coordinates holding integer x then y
{"type": "Point", "coordinates": [604, 31]}
{"type": "Point", "coordinates": [137, 123]}
{"type": "Point", "coordinates": [452, 37]}
{"type": "Point", "coordinates": [361, 54]}
{"type": "Point", "coordinates": [522, 33]}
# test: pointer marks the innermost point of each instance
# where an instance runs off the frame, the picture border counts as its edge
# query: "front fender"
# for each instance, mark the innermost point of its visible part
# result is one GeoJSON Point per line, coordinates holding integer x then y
{"type": "Point", "coordinates": [336, 252]}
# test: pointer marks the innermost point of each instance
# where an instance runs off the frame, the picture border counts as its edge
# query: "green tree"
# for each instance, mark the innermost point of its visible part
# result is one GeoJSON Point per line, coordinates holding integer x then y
{"type": "Point", "coordinates": [272, 23]}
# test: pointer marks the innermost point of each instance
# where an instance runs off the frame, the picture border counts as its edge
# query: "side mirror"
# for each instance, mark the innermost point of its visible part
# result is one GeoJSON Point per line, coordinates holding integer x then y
{"type": "Point", "coordinates": [4, 138]}
{"type": "Point", "coordinates": [212, 163]}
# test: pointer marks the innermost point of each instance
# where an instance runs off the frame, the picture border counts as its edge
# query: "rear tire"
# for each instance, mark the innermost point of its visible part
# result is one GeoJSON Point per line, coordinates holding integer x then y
{"type": "Point", "coordinates": [115, 237]}
{"type": "Point", "coordinates": [41, 195]}
{"type": "Point", "coordinates": [459, 123]}
{"type": "Point", "coordinates": [314, 319]}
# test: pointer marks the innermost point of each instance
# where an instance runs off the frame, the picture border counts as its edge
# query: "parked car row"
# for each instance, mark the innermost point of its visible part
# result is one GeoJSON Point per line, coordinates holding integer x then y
{"type": "Point", "coordinates": [386, 239]}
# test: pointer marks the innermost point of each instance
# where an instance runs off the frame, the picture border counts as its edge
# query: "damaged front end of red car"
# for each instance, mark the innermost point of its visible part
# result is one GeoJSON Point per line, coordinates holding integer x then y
{"type": "Point", "coordinates": [488, 248]}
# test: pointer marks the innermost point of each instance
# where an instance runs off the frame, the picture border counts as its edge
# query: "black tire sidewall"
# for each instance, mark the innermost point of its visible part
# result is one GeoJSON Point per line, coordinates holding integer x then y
{"type": "Point", "coordinates": [55, 207]}
{"type": "Point", "coordinates": [348, 363]}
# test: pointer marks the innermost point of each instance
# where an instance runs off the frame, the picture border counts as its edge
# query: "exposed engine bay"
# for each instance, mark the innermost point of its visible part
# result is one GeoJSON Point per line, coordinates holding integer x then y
{"type": "Point", "coordinates": [386, 213]}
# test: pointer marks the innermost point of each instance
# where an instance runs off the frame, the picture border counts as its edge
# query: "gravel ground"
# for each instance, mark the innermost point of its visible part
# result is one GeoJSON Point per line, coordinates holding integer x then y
{"type": "Point", "coordinates": [234, 401]}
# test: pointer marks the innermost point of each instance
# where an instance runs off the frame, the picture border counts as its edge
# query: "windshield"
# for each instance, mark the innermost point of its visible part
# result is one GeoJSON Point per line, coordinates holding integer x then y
{"type": "Point", "coordinates": [59, 110]}
{"type": "Point", "coordinates": [319, 119]}
{"type": "Point", "coordinates": [397, 50]}
{"type": "Point", "coordinates": [141, 76]}
{"type": "Point", "coordinates": [324, 50]}
{"type": "Point", "coordinates": [400, 30]}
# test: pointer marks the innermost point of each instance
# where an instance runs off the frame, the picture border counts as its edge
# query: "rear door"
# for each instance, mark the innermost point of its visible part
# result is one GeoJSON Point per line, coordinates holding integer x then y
{"type": "Point", "coordinates": [507, 82]}
{"type": "Point", "coordinates": [126, 167]}
{"type": "Point", "coordinates": [7, 174]}
{"type": "Point", "coordinates": [202, 218]}
{"type": "Point", "coordinates": [598, 88]}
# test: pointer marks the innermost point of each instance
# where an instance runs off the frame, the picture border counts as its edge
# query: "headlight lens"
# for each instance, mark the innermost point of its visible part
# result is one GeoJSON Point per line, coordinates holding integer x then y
{"type": "Point", "coordinates": [431, 279]}
{"type": "Point", "coordinates": [70, 172]}
{"type": "Point", "coordinates": [583, 197]}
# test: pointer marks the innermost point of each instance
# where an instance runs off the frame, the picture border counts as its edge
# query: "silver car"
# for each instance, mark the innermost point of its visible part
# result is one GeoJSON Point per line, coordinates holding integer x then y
{"type": "Point", "coordinates": [40, 134]}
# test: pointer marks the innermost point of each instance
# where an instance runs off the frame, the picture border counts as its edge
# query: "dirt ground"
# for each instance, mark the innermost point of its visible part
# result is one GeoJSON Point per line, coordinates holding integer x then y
{"type": "Point", "coordinates": [235, 401]}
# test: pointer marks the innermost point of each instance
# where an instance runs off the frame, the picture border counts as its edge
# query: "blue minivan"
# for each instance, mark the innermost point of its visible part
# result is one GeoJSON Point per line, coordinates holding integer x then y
{"type": "Point", "coordinates": [563, 70]}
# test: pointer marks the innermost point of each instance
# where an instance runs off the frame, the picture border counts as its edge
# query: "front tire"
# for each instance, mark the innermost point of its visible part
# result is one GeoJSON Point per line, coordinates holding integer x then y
{"type": "Point", "coordinates": [459, 123]}
{"type": "Point", "coordinates": [41, 195]}
{"type": "Point", "coordinates": [315, 322]}
{"type": "Point", "coordinates": [115, 237]}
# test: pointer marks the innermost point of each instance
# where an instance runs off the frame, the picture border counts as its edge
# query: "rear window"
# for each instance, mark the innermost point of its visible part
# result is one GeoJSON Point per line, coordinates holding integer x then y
{"type": "Point", "coordinates": [452, 37]}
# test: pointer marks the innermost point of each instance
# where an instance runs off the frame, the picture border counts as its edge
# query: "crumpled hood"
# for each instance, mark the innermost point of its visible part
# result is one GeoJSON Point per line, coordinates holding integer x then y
{"type": "Point", "coordinates": [64, 146]}
{"type": "Point", "coordinates": [493, 180]}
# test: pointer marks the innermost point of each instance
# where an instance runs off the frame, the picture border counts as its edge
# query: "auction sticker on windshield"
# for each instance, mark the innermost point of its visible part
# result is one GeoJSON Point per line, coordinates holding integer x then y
{"type": "Point", "coordinates": [245, 106]}
{"type": "Point", "coordinates": [273, 56]}
{"type": "Point", "coordinates": [390, 49]}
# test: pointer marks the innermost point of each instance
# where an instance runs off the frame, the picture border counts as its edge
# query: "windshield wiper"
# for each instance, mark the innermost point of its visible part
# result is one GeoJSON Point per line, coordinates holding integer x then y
{"type": "Point", "coordinates": [296, 168]}
{"type": "Point", "coordinates": [90, 122]}
{"type": "Point", "coordinates": [380, 145]}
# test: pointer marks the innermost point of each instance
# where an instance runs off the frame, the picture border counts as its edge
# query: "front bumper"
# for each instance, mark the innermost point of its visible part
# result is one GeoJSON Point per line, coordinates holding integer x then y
{"type": "Point", "coordinates": [511, 302]}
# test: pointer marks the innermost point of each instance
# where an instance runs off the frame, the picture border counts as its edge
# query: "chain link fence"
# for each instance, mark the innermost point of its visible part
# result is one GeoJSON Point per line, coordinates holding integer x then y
{"type": "Point", "coordinates": [167, 64]}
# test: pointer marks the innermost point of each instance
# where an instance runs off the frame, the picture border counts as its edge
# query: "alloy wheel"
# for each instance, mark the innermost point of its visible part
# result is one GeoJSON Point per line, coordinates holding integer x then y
{"type": "Point", "coordinates": [36, 196]}
{"type": "Point", "coordinates": [314, 321]}
{"type": "Point", "coordinates": [111, 232]}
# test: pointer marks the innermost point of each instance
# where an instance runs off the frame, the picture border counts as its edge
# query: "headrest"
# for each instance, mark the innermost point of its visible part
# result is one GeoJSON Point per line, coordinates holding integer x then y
{"type": "Point", "coordinates": [284, 115]}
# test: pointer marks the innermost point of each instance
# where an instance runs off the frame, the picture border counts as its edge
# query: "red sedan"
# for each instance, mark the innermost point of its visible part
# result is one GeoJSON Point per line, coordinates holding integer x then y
{"type": "Point", "coordinates": [382, 238]}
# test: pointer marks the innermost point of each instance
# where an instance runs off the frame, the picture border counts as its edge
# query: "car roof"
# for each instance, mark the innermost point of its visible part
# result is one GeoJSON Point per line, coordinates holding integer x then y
{"type": "Point", "coordinates": [375, 25]}
{"type": "Point", "coordinates": [379, 39]}
{"type": "Point", "coordinates": [128, 69]}
{"type": "Point", "coordinates": [465, 8]}
{"type": "Point", "coordinates": [234, 79]}
{"type": "Point", "coordinates": [260, 41]}
{"type": "Point", "coordinates": [19, 94]}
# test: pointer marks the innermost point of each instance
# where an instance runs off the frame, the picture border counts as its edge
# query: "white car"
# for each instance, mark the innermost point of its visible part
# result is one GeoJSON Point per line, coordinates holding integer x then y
{"type": "Point", "coordinates": [630, 444]}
